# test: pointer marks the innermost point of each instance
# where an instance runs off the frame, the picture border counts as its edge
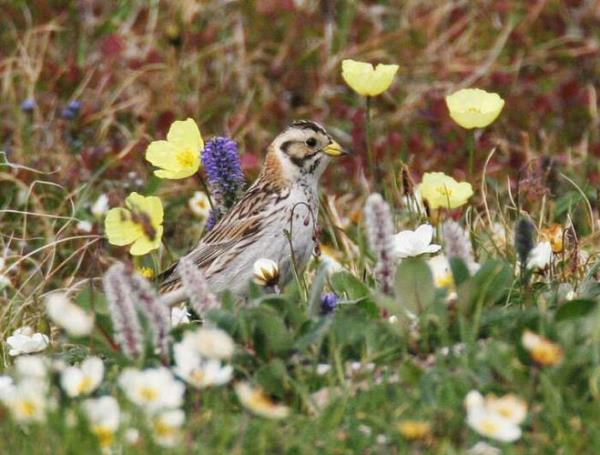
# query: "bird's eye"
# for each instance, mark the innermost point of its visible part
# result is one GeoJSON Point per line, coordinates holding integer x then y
{"type": "Point", "coordinates": [311, 142]}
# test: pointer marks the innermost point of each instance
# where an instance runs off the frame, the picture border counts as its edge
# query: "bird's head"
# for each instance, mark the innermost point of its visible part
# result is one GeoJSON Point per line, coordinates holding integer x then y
{"type": "Point", "coordinates": [303, 150]}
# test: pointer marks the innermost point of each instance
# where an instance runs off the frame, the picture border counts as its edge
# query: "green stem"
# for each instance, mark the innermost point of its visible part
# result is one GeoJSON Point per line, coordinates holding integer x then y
{"type": "Point", "coordinates": [471, 148]}
{"type": "Point", "coordinates": [372, 165]}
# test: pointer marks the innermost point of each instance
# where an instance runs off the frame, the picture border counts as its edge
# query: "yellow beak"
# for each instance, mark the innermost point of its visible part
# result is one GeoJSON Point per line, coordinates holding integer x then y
{"type": "Point", "coordinates": [334, 149]}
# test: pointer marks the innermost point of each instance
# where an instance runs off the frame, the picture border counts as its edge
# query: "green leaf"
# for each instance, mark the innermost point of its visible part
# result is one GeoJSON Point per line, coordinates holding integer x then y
{"type": "Point", "coordinates": [314, 334]}
{"type": "Point", "coordinates": [488, 286]}
{"type": "Point", "coordinates": [574, 309]}
{"type": "Point", "coordinates": [460, 271]}
{"type": "Point", "coordinates": [345, 282]}
{"type": "Point", "coordinates": [271, 335]}
{"type": "Point", "coordinates": [414, 286]}
{"type": "Point", "coordinates": [272, 377]}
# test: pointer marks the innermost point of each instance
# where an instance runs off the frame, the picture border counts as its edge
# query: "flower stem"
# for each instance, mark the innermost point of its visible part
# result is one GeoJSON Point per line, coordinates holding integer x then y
{"type": "Point", "coordinates": [206, 190]}
{"type": "Point", "coordinates": [372, 165]}
{"type": "Point", "coordinates": [471, 148]}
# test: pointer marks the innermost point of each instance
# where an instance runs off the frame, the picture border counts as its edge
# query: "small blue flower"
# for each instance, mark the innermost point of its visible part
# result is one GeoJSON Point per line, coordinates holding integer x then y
{"type": "Point", "coordinates": [329, 302]}
{"type": "Point", "coordinates": [28, 105]}
{"type": "Point", "coordinates": [221, 161]}
{"type": "Point", "coordinates": [72, 110]}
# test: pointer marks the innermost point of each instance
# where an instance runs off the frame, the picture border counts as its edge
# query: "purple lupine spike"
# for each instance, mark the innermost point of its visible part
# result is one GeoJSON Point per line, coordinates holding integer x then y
{"type": "Point", "coordinates": [122, 311]}
{"type": "Point", "coordinates": [196, 287]}
{"type": "Point", "coordinates": [380, 229]}
{"type": "Point", "coordinates": [223, 167]}
{"type": "Point", "coordinates": [213, 218]}
{"type": "Point", "coordinates": [147, 300]}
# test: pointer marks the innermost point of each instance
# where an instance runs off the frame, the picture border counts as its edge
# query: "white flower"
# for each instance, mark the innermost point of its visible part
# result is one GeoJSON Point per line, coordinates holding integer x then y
{"type": "Point", "coordinates": [496, 418]}
{"type": "Point", "coordinates": [323, 369]}
{"type": "Point", "coordinates": [414, 243]}
{"type": "Point", "coordinates": [540, 256]}
{"type": "Point", "coordinates": [152, 389]}
{"type": "Point", "coordinates": [166, 427]}
{"type": "Point", "coordinates": [483, 448]}
{"type": "Point", "coordinates": [25, 341]}
{"type": "Point", "coordinates": [198, 371]}
{"type": "Point", "coordinates": [84, 379]}
{"type": "Point", "coordinates": [259, 403]}
{"type": "Point", "coordinates": [179, 316]}
{"type": "Point", "coordinates": [26, 400]}
{"type": "Point", "coordinates": [32, 367]}
{"type": "Point", "coordinates": [104, 416]}
{"type": "Point", "coordinates": [266, 272]}
{"type": "Point", "coordinates": [64, 313]}
{"type": "Point", "coordinates": [440, 269]}
{"type": "Point", "coordinates": [84, 226]}
{"type": "Point", "coordinates": [6, 386]}
{"type": "Point", "coordinates": [199, 205]}
{"type": "Point", "coordinates": [509, 406]}
{"type": "Point", "coordinates": [210, 342]}
{"type": "Point", "coordinates": [132, 436]}
{"type": "Point", "coordinates": [100, 207]}
{"type": "Point", "coordinates": [4, 281]}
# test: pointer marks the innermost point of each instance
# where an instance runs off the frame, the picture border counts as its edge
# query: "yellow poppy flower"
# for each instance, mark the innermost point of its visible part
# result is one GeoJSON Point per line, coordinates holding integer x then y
{"type": "Point", "coordinates": [367, 80]}
{"type": "Point", "coordinates": [140, 224]}
{"type": "Point", "coordinates": [541, 349]}
{"type": "Point", "coordinates": [473, 107]}
{"type": "Point", "coordinates": [178, 156]}
{"type": "Point", "coordinates": [441, 190]}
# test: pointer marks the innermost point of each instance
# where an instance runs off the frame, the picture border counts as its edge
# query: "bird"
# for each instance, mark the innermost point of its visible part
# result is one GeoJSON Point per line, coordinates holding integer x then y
{"type": "Point", "coordinates": [275, 218]}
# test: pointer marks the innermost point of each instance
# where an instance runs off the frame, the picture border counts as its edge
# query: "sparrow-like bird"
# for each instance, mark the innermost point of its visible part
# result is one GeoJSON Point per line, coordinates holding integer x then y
{"type": "Point", "coordinates": [274, 219]}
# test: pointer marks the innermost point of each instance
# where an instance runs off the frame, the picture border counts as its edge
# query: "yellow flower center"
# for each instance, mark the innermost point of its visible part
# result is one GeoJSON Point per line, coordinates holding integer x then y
{"type": "Point", "coordinates": [146, 272]}
{"type": "Point", "coordinates": [28, 408]}
{"type": "Point", "coordinates": [445, 281]}
{"type": "Point", "coordinates": [202, 204]}
{"type": "Point", "coordinates": [149, 393]}
{"type": "Point", "coordinates": [505, 411]}
{"type": "Point", "coordinates": [198, 376]}
{"type": "Point", "coordinates": [474, 110]}
{"type": "Point", "coordinates": [259, 400]}
{"type": "Point", "coordinates": [104, 434]}
{"type": "Point", "coordinates": [163, 429]}
{"type": "Point", "coordinates": [490, 427]}
{"type": "Point", "coordinates": [547, 354]}
{"type": "Point", "coordinates": [186, 158]}
{"type": "Point", "coordinates": [445, 191]}
{"type": "Point", "coordinates": [412, 429]}
{"type": "Point", "coordinates": [85, 386]}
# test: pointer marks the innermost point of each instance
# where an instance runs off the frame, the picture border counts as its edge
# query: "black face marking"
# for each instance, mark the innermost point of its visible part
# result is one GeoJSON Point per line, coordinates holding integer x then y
{"type": "Point", "coordinates": [286, 145]}
{"type": "Point", "coordinates": [298, 161]}
{"type": "Point", "coordinates": [314, 166]}
{"type": "Point", "coordinates": [307, 124]}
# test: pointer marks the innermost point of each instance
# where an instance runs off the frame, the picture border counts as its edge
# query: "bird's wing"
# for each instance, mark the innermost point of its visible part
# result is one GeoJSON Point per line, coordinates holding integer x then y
{"type": "Point", "coordinates": [236, 231]}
